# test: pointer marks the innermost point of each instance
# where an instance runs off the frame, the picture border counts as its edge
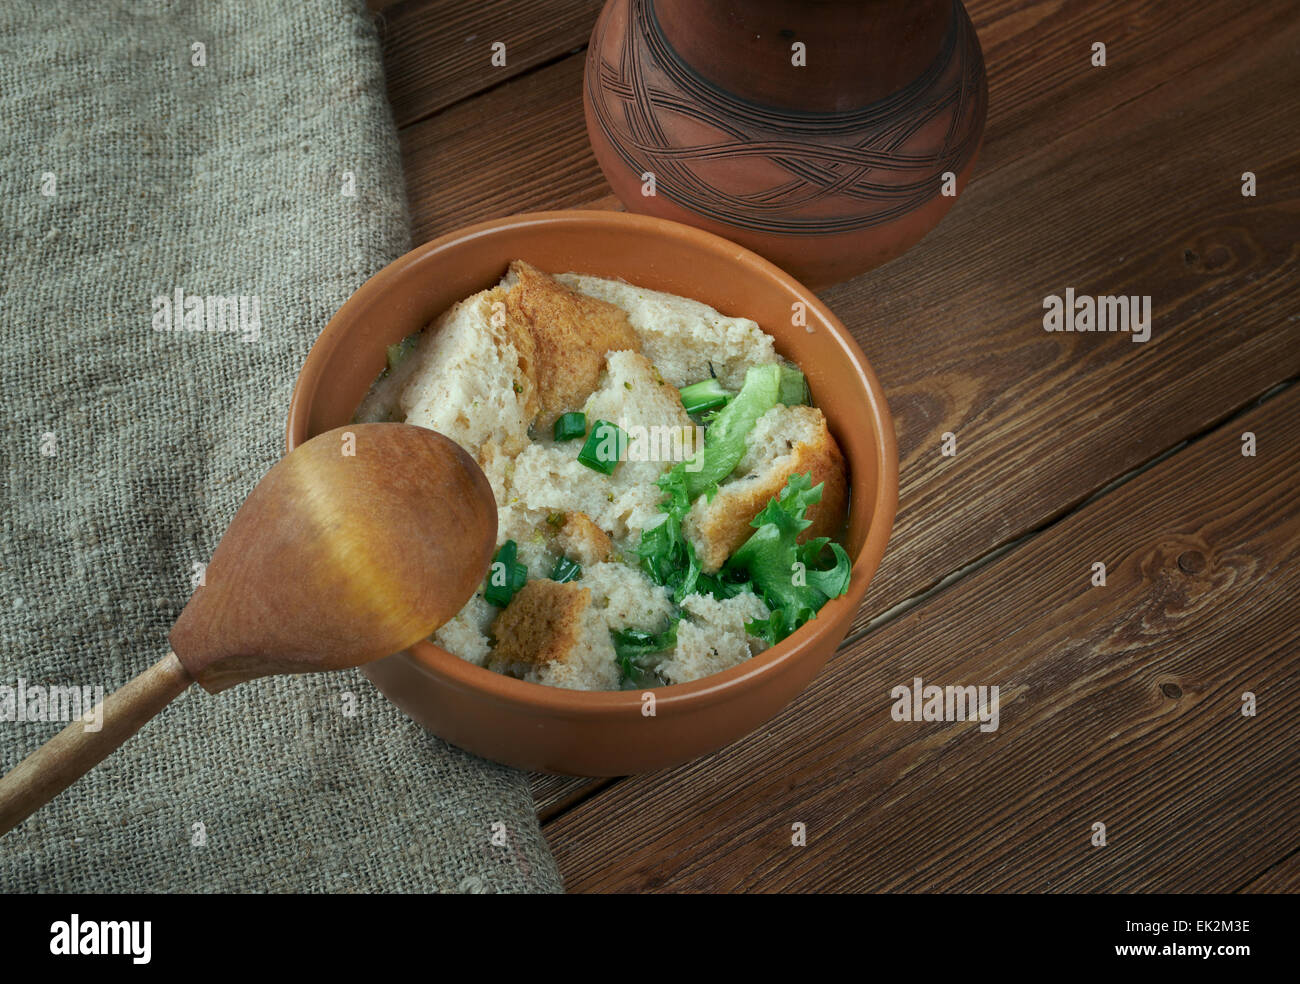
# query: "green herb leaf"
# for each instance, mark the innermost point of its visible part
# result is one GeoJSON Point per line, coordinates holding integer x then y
{"type": "Point", "coordinates": [635, 649]}
{"type": "Point", "coordinates": [784, 573]}
{"type": "Point", "coordinates": [794, 387]}
{"type": "Point", "coordinates": [666, 555]}
{"type": "Point", "coordinates": [724, 443]}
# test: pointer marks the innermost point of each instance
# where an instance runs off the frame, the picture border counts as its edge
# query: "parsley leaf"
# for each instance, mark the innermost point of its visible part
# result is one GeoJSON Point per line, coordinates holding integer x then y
{"type": "Point", "coordinates": [786, 574]}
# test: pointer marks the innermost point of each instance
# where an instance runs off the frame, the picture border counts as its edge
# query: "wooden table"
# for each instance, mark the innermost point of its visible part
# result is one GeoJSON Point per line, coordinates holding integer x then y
{"type": "Point", "coordinates": [1121, 704]}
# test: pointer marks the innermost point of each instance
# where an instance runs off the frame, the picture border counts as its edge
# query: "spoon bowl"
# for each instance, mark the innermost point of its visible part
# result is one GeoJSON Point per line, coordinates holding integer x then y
{"type": "Point", "coordinates": [357, 544]}
{"type": "Point", "coordinates": [360, 543]}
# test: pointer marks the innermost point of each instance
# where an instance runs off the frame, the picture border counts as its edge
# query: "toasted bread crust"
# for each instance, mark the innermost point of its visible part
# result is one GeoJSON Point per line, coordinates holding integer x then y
{"type": "Point", "coordinates": [582, 540]}
{"type": "Point", "coordinates": [724, 524]}
{"type": "Point", "coordinates": [542, 623]}
{"type": "Point", "coordinates": [507, 325]}
{"type": "Point", "coordinates": [570, 335]}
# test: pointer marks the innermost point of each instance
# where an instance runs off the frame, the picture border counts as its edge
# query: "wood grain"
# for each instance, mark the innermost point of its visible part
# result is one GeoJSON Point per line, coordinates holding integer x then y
{"type": "Point", "coordinates": [1280, 878]}
{"type": "Point", "coordinates": [1133, 204]}
{"type": "Point", "coordinates": [1043, 421]}
{"type": "Point", "coordinates": [1119, 704]}
{"type": "Point", "coordinates": [521, 147]}
{"type": "Point", "coordinates": [1041, 79]}
{"type": "Point", "coordinates": [554, 795]}
{"type": "Point", "coordinates": [437, 53]}
{"type": "Point", "coordinates": [1041, 87]}
{"type": "Point", "coordinates": [1123, 179]}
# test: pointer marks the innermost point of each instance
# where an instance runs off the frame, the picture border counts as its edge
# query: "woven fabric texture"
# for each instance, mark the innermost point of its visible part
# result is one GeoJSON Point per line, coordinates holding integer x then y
{"type": "Point", "coordinates": [209, 148]}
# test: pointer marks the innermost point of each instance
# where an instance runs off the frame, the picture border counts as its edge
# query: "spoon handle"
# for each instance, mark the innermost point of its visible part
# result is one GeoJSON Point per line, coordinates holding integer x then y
{"type": "Point", "coordinates": [74, 751]}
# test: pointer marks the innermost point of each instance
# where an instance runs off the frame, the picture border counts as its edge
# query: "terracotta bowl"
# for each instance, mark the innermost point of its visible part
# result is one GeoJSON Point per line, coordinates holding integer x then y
{"type": "Point", "coordinates": [600, 734]}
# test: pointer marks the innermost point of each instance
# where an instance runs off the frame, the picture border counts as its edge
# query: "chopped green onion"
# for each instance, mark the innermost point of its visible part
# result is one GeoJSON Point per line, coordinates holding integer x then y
{"type": "Point", "coordinates": [570, 425]}
{"type": "Point", "coordinates": [505, 576]}
{"type": "Point", "coordinates": [707, 394]}
{"type": "Point", "coordinates": [565, 570]}
{"type": "Point", "coordinates": [794, 387]}
{"type": "Point", "coordinates": [398, 353]}
{"type": "Point", "coordinates": [605, 447]}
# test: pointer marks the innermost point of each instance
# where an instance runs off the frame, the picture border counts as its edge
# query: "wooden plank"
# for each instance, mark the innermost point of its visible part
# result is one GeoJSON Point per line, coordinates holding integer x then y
{"type": "Point", "coordinates": [521, 147]}
{"type": "Point", "coordinates": [1282, 878]}
{"type": "Point", "coordinates": [437, 52]}
{"type": "Point", "coordinates": [1119, 704]}
{"type": "Point", "coordinates": [554, 795]}
{"type": "Point", "coordinates": [1133, 204]}
{"type": "Point", "coordinates": [1042, 82]}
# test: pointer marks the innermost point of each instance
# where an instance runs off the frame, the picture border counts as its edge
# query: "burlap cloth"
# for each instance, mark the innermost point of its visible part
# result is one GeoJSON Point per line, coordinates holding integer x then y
{"type": "Point", "coordinates": [226, 178]}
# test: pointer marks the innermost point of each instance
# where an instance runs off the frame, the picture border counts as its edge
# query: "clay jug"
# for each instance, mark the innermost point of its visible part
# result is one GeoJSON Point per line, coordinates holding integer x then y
{"type": "Point", "coordinates": [826, 135]}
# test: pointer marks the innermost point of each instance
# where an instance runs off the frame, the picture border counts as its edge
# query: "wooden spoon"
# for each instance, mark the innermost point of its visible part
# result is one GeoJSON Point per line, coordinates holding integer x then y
{"type": "Point", "coordinates": [356, 545]}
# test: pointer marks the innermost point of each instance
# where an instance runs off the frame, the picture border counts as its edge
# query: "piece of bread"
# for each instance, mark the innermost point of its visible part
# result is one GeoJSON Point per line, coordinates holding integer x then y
{"type": "Point", "coordinates": [549, 477]}
{"type": "Point", "coordinates": [570, 334]}
{"type": "Point", "coordinates": [558, 635]}
{"type": "Point", "coordinates": [542, 624]}
{"type": "Point", "coordinates": [497, 467]}
{"type": "Point", "coordinates": [636, 397]}
{"type": "Point", "coordinates": [712, 636]}
{"type": "Point", "coordinates": [625, 598]}
{"type": "Point", "coordinates": [687, 340]}
{"type": "Point", "coordinates": [541, 538]}
{"type": "Point", "coordinates": [552, 479]}
{"type": "Point", "coordinates": [785, 441]}
{"type": "Point", "coordinates": [466, 634]}
{"type": "Point", "coordinates": [504, 360]}
{"type": "Point", "coordinates": [470, 381]}
{"type": "Point", "coordinates": [533, 535]}
{"type": "Point", "coordinates": [583, 541]}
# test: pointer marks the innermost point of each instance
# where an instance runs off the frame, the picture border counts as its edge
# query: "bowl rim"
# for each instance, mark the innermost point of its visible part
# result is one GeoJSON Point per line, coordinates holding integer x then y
{"type": "Point", "coordinates": [459, 673]}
